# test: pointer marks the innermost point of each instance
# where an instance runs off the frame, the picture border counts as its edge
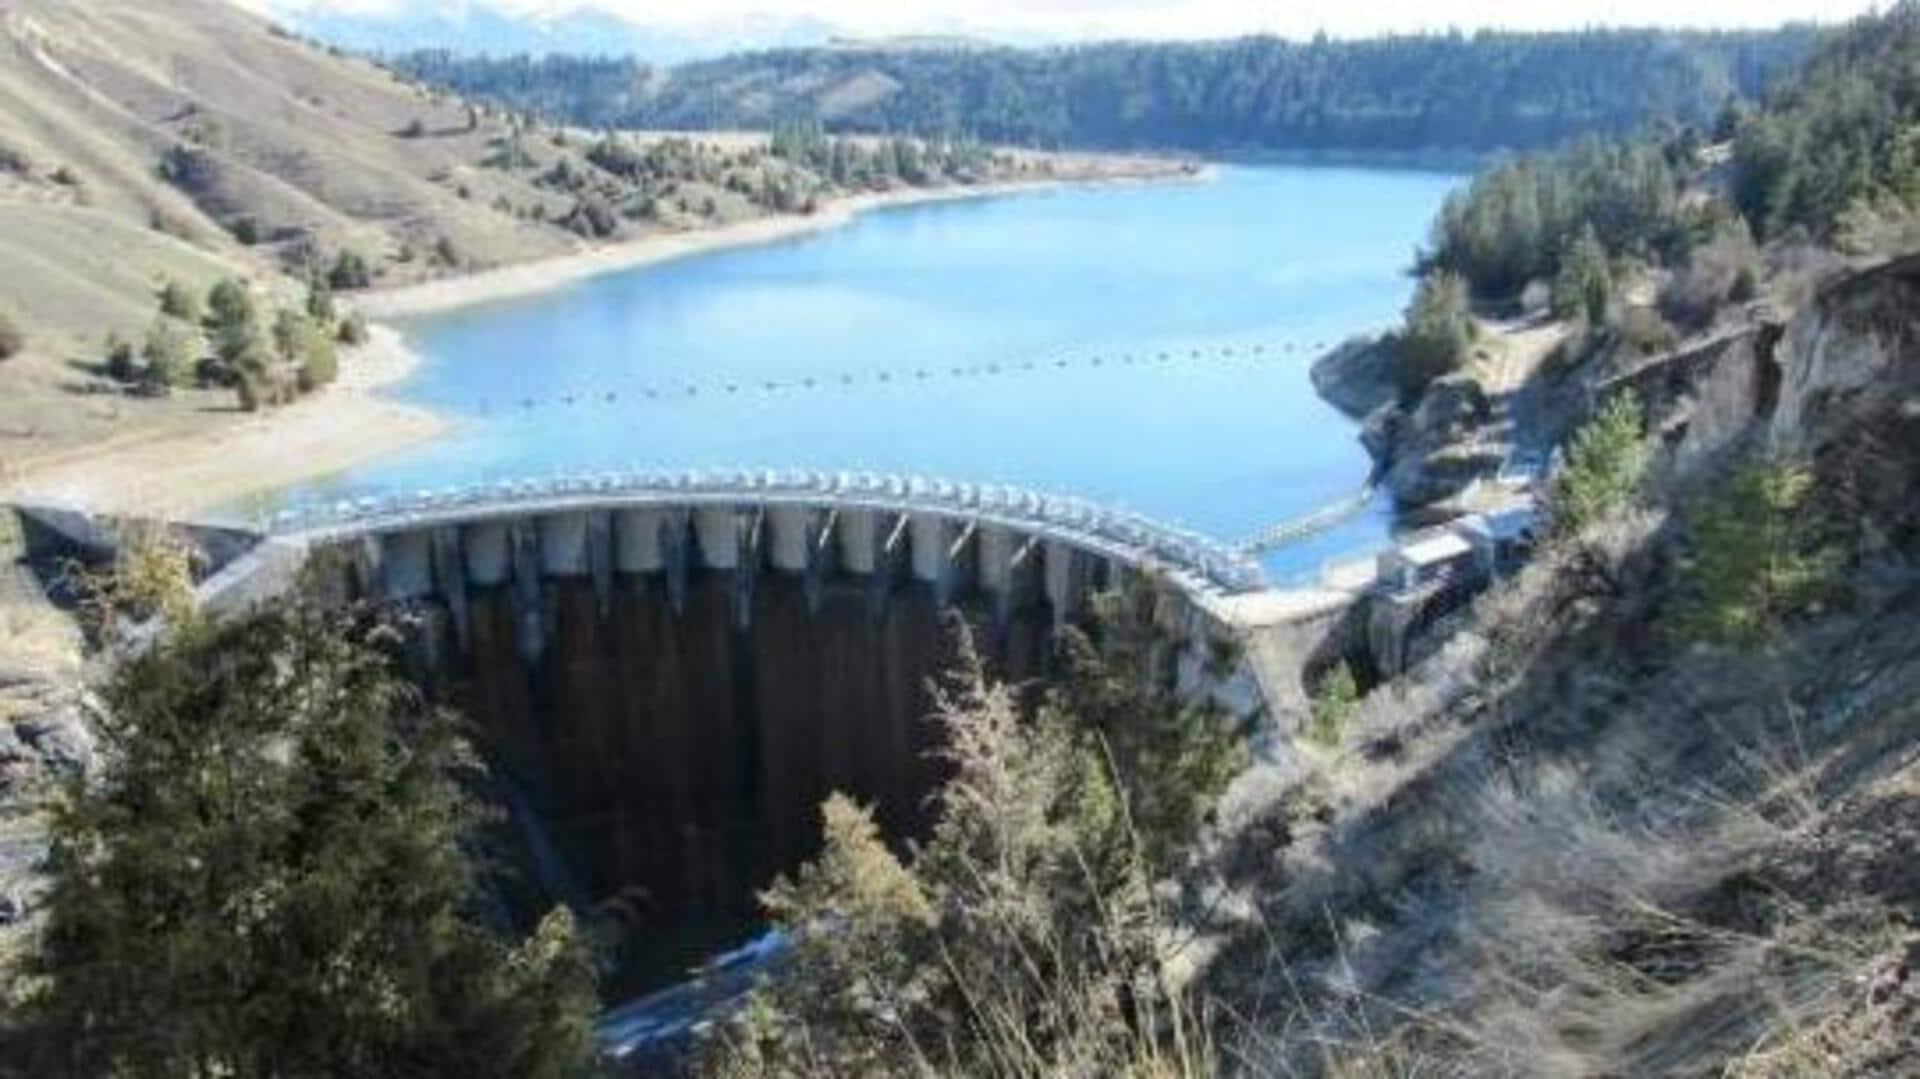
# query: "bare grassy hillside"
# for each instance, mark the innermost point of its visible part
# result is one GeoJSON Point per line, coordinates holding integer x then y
{"type": "Point", "coordinates": [190, 121]}
{"type": "Point", "coordinates": [144, 140]}
{"type": "Point", "coordinates": [148, 141]}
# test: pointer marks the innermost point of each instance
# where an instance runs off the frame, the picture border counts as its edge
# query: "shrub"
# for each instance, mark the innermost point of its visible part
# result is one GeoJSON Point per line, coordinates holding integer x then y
{"type": "Point", "coordinates": [1644, 330]}
{"type": "Point", "coordinates": [246, 387]}
{"type": "Point", "coordinates": [1760, 554]}
{"type": "Point", "coordinates": [1336, 696]}
{"type": "Point", "coordinates": [1439, 331]}
{"type": "Point", "coordinates": [320, 302]}
{"type": "Point", "coordinates": [1605, 462]}
{"type": "Point", "coordinates": [120, 365]}
{"type": "Point", "coordinates": [353, 330]}
{"type": "Point", "coordinates": [177, 301]}
{"type": "Point", "coordinates": [13, 340]}
{"type": "Point", "coordinates": [416, 128]}
{"type": "Point", "coordinates": [445, 253]}
{"type": "Point", "coordinates": [246, 230]}
{"type": "Point", "coordinates": [290, 330]}
{"type": "Point", "coordinates": [1722, 270]}
{"type": "Point", "coordinates": [1050, 835]}
{"type": "Point", "coordinates": [151, 577]}
{"type": "Point", "coordinates": [592, 218]}
{"type": "Point", "coordinates": [319, 362]}
{"type": "Point", "coordinates": [349, 271]}
{"type": "Point", "coordinates": [232, 321]}
{"type": "Point", "coordinates": [168, 357]}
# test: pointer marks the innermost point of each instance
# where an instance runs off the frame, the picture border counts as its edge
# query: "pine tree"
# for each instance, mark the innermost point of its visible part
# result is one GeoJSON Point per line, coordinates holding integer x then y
{"type": "Point", "coordinates": [270, 879]}
{"type": "Point", "coordinates": [1335, 698]}
{"type": "Point", "coordinates": [1584, 286]}
{"type": "Point", "coordinates": [1439, 331]}
{"type": "Point", "coordinates": [1605, 462]}
{"type": "Point", "coordinates": [1760, 555]}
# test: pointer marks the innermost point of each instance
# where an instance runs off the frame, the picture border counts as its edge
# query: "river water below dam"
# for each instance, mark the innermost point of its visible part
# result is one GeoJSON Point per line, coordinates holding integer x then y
{"type": "Point", "coordinates": [1142, 345]}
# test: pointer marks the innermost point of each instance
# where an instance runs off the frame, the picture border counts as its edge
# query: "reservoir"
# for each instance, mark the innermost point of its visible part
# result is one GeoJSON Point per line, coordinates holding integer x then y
{"type": "Point", "coordinates": [1142, 345]}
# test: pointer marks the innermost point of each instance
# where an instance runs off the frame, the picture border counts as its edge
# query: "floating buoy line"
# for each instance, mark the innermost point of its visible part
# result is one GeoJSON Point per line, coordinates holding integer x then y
{"type": "Point", "coordinates": [737, 387]}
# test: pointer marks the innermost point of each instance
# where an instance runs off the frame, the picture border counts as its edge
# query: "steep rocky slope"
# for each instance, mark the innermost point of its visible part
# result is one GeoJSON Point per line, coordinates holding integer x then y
{"type": "Point", "coordinates": [1577, 842]}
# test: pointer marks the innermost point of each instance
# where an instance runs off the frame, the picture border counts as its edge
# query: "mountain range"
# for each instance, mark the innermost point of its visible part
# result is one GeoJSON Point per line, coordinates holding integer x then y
{"type": "Point", "coordinates": [481, 30]}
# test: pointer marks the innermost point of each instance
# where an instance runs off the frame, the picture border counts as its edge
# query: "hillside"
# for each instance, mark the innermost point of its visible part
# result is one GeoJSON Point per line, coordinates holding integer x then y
{"type": "Point", "coordinates": [264, 139]}
{"type": "Point", "coordinates": [148, 141]}
{"type": "Point", "coordinates": [1466, 95]}
{"type": "Point", "coordinates": [1648, 807]}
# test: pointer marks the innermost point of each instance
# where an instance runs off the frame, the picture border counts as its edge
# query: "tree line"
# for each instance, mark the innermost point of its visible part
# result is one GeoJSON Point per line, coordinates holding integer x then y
{"type": "Point", "coordinates": [1409, 93]}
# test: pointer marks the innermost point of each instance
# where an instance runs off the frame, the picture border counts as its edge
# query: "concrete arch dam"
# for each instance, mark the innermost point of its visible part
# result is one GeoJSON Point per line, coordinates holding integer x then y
{"type": "Point", "coordinates": [673, 671]}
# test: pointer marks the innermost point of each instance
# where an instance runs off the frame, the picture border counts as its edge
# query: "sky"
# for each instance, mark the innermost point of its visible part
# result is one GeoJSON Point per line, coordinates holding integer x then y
{"type": "Point", "coordinates": [1163, 18]}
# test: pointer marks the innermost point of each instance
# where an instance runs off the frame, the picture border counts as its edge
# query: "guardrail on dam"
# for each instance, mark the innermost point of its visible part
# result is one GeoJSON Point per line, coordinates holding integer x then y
{"type": "Point", "coordinates": [780, 502]}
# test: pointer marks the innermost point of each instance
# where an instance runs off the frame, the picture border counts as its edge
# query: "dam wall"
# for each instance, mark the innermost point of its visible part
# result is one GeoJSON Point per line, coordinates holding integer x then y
{"type": "Point", "coordinates": [671, 677]}
{"type": "Point", "coordinates": [668, 674]}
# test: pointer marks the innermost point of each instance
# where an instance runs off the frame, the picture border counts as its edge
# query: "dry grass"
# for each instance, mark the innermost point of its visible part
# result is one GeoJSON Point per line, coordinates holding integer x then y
{"type": "Point", "coordinates": [1568, 845]}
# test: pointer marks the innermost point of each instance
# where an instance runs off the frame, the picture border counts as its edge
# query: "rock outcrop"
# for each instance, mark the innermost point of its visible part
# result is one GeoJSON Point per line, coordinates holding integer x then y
{"type": "Point", "coordinates": [1360, 377]}
{"type": "Point", "coordinates": [45, 741]}
{"type": "Point", "coordinates": [1425, 453]}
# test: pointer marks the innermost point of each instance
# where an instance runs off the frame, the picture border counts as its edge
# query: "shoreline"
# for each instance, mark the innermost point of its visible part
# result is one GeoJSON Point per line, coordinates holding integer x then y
{"type": "Point", "coordinates": [182, 475]}
{"type": "Point", "coordinates": [532, 278]}
{"type": "Point", "coordinates": [354, 421]}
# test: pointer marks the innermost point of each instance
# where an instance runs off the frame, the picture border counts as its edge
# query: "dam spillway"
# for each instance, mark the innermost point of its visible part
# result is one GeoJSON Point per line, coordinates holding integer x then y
{"type": "Point", "coordinates": [671, 672]}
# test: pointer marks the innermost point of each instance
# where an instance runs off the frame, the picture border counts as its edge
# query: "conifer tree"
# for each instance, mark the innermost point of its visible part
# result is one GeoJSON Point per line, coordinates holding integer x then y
{"type": "Point", "coordinates": [1760, 554]}
{"type": "Point", "coordinates": [270, 879]}
{"type": "Point", "coordinates": [1605, 462]}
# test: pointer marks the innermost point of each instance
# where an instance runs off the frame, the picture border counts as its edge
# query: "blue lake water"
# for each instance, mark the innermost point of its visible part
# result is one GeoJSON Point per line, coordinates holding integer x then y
{"type": "Point", "coordinates": [1146, 346]}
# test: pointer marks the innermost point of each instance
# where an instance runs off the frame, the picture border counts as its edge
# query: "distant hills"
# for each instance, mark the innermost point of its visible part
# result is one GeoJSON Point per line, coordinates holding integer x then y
{"type": "Point", "coordinates": [480, 30]}
{"type": "Point", "coordinates": [1452, 92]}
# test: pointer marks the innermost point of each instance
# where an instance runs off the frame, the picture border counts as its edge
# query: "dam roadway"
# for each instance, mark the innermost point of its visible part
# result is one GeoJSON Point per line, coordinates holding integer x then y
{"type": "Point", "coordinates": [952, 534]}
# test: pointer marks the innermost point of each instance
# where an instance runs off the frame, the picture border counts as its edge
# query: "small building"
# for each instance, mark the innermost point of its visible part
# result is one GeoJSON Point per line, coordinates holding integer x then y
{"type": "Point", "coordinates": [1430, 558]}
{"type": "Point", "coordinates": [1501, 539]}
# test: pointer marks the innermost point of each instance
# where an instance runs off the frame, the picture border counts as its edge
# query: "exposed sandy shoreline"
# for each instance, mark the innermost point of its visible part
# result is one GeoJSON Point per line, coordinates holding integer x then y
{"type": "Point", "coordinates": [180, 475]}
{"type": "Point", "coordinates": [509, 282]}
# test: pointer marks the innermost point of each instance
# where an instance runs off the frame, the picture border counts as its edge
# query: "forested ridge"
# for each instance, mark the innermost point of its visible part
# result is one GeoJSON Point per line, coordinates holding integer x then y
{"type": "Point", "coordinates": [1476, 93]}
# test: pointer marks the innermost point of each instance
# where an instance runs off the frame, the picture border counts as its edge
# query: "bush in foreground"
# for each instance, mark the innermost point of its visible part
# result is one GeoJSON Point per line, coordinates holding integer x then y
{"type": "Point", "coordinates": [1026, 937]}
{"type": "Point", "coordinates": [270, 879]}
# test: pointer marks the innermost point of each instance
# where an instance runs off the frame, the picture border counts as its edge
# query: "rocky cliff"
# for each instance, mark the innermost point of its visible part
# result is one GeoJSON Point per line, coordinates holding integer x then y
{"type": "Point", "coordinates": [1426, 449]}
{"type": "Point", "coordinates": [1573, 843]}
